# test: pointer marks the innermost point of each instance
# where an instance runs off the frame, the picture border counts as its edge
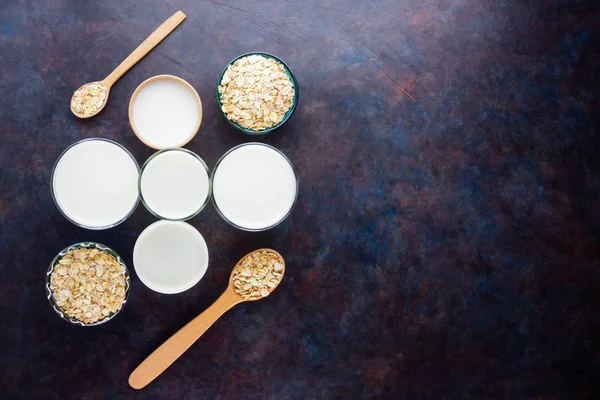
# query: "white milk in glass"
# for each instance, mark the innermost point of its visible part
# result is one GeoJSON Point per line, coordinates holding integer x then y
{"type": "Point", "coordinates": [170, 257]}
{"type": "Point", "coordinates": [254, 186]}
{"type": "Point", "coordinates": [95, 183]}
{"type": "Point", "coordinates": [174, 184]}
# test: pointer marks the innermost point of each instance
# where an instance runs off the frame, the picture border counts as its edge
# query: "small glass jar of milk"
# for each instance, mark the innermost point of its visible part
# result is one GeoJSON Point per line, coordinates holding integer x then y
{"type": "Point", "coordinates": [174, 184]}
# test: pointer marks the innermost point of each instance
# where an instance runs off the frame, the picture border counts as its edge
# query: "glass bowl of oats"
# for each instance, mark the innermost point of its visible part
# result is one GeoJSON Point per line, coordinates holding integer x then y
{"type": "Point", "coordinates": [257, 93]}
{"type": "Point", "coordinates": [87, 284]}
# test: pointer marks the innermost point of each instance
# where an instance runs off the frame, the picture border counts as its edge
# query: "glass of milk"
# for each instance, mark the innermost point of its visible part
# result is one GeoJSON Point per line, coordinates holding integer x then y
{"type": "Point", "coordinates": [94, 183]}
{"type": "Point", "coordinates": [174, 184]}
{"type": "Point", "coordinates": [170, 256]}
{"type": "Point", "coordinates": [254, 186]}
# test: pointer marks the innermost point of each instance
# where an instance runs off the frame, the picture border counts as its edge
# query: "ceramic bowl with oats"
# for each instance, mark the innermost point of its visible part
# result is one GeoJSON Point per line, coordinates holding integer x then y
{"type": "Point", "coordinates": [87, 284]}
{"type": "Point", "coordinates": [257, 93]}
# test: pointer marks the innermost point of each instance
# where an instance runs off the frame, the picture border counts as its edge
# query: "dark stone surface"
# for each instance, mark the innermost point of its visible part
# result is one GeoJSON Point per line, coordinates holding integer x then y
{"type": "Point", "coordinates": [440, 249]}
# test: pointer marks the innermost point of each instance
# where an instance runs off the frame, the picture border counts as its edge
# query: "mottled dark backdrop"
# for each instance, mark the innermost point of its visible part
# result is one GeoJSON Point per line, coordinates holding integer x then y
{"type": "Point", "coordinates": [440, 249]}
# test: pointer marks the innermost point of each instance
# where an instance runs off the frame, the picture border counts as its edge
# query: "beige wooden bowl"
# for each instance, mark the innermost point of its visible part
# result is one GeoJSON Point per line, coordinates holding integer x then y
{"type": "Point", "coordinates": [170, 112]}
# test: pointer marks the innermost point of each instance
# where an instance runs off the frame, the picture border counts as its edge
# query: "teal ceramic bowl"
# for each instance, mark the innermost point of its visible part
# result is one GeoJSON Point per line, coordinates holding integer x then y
{"type": "Point", "coordinates": [289, 112]}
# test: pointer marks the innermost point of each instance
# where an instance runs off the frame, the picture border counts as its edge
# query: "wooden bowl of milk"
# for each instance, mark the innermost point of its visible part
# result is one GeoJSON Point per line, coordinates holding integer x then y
{"type": "Point", "coordinates": [165, 112]}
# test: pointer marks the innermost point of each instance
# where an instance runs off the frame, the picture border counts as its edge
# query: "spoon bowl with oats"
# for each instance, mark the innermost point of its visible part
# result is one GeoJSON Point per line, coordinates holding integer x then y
{"type": "Point", "coordinates": [91, 98]}
{"type": "Point", "coordinates": [254, 277]}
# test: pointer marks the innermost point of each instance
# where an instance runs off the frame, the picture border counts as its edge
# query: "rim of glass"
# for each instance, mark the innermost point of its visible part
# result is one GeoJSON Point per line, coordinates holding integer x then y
{"type": "Point", "coordinates": [57, 204]}
{"type": "Point", "coordinates": [50, 292]}
{"type": "Point", "coordinates": [288, 113]}
{"type": "Point", "coordinates": [214, 201]}
{"type": "Point", "coordinates": [208, 194]}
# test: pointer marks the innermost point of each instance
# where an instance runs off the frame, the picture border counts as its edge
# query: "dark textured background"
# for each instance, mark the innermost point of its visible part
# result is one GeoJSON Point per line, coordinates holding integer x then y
{"type": "Point", "coordinates": [440, 249]}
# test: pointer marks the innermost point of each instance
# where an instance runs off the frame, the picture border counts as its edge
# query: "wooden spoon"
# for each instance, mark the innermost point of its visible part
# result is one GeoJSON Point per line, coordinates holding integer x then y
{"type": "Point", "coordinates": [102, 88]}
{"type": "Point", "coordinates": [177, 344]}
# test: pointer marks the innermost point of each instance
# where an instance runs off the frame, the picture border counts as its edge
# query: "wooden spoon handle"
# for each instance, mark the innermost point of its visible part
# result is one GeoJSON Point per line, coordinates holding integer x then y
{"type": "Point", "coordinates": [151, 41]}
{"type": "Point", "coordinates": [177, 344]}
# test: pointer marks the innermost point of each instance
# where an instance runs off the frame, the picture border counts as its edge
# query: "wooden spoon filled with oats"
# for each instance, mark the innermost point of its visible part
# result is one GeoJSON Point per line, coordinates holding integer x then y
{"type": "Point", "coordinates": [91, 98]}
{"type": "Point", "coordinates": [254, 277]}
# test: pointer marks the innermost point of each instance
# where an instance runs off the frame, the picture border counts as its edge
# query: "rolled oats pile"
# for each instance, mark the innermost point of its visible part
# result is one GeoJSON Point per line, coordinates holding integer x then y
{"type": "Point", "coordinates": [256, 92]}
{"type": "Point", "coordinates": [257, 275]}
{"type": "Point", "coordinates": [88, 284]}
{"type": "Point", "coordinates": [89, 98]}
